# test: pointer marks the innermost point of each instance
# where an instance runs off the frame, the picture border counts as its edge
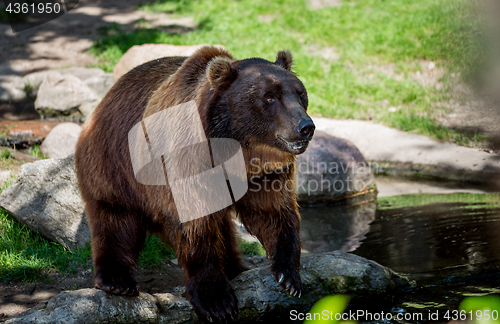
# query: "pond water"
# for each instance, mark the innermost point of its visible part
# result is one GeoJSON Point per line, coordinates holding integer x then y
{"type": "Point", "coordinates": [449, 244]}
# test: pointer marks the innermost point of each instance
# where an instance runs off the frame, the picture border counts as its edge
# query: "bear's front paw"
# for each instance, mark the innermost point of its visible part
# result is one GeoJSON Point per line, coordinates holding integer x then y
{"type": "Point", "coordinates": [116, 283]}
{"type": "Point", "coordinates": [290, 281]}
{"type": "Point", "coordinates": [214, 302]}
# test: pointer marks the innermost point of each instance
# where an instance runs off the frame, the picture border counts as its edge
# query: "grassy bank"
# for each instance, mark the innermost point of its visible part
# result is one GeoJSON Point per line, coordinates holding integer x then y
{"type": "Point", "coordinates": [387, 61]}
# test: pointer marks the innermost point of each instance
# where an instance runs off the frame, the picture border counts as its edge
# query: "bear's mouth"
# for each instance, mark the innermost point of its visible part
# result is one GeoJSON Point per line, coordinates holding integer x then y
{"type": "Point", "coordinates": [297, 147]}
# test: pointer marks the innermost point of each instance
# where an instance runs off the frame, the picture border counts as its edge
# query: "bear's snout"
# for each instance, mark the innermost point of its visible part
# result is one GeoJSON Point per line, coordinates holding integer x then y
{"type": "Point", "coordinates": [306, 129]}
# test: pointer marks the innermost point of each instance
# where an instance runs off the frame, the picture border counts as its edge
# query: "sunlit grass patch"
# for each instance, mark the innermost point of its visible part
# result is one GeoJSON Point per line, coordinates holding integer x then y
{"type": "Point", "coordinates": [358, 60]}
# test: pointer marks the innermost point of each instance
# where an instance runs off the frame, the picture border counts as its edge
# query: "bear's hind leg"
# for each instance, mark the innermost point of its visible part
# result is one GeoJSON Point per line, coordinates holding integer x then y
{"type": "Point", "coordinates": [201, 252]}
{"type": "Point", "coordinates": [233, 264]}
{"type": "Point", "coordinates": [117, 239]}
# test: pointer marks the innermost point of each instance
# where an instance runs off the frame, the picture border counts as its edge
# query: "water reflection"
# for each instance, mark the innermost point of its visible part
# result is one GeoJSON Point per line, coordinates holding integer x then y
{"type": "Point", "coordinates": [415, 240]}
{"type": "Point", "coordinates": [335, 228]}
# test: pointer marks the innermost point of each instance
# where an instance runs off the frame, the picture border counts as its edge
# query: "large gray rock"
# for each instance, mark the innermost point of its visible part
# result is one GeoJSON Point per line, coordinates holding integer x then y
{"type": "Point", "coordinates": [46, 198]}
{"type": "Point", "coordinates": [140, 54]}
{"type": "Point", "coordinates": [259, 296]}
{"type": "Point", "coordinates": [331, 169]}
{"type": "Point", "coordinates": [62, 93]}
{"type": "Point", "coordinates": [61, 141]}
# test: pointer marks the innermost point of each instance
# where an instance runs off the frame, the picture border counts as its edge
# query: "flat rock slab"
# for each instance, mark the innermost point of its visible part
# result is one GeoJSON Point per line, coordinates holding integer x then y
{"type": "Point", "coordinates": [259, 296]}
{"type": "Point", "coordinates": [400, 153]}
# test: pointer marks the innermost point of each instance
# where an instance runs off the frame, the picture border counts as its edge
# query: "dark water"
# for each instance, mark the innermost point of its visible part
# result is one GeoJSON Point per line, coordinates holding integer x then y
{"type": "Point", "coordinates": [451, 249]}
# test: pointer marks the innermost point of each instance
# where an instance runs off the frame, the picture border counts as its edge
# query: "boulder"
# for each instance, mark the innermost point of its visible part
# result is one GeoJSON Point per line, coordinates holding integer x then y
{"type": "Point", "coordinates": [45, 197]}
{"type": "Point", "coordinates": [60, 93]}
{"type": "Point", "coordinates": [95, 78]}
{"type": "Point", "coordinates": [331, 169]}
{"type": "Point", "coordinates": [61, 141]}
{"type": "Point", "coordinates": [259, 296]}
{"type": "Point", "coordinates": [140, 54]}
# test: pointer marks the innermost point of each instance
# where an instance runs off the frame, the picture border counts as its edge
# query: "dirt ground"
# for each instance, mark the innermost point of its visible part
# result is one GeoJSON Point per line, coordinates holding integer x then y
{"type": "Point", "coordinates": [65, 41]}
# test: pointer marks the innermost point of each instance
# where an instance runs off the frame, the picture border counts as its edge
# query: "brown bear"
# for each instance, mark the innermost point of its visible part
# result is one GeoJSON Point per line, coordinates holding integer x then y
{"type": "Point", "coordinates": [259, 103]}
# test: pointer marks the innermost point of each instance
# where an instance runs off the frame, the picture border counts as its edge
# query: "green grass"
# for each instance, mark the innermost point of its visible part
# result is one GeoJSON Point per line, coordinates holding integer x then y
{"type": "Point", "coordinates": [475, 200]}
{"type": "Point", "coordinates": [6, 154]}
{"type": "Point", "coordinates": [380, 45]}
{"type": "Point", "coordinates": [251, 248]}
{"type": "Point", "coordinates": [26, 256]}
{"type": "Point", "coordinates": [155, 252]}
{"type": "Point", "coordinates": [36, 152]}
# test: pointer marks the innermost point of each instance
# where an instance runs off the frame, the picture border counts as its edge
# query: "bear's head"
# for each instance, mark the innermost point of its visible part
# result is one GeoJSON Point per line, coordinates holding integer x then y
{"type": "Point", "coordinates": [260, 102]}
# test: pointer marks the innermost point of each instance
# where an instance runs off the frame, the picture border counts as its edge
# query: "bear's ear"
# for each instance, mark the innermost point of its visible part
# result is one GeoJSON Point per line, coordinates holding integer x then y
{"type": "Point", "coordinates": [285, 60]}
{"type": "Point", "coordinates": [220, 72]}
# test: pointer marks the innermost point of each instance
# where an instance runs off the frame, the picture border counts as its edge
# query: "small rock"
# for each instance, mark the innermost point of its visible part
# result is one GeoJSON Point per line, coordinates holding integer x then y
{"type": "Point", "coordinates": [431, 66]}
{"type": "Point", "coordinates": [94, 78]}
{"type": "Point", "coordinates": [140, 54]}
{"type": "Point", "coordinates": [61, 93]}
{"type": "Point", "coordinates": [45, 197]}
{"type": "Point", "coordinates": [61, 141]}
{"type": "Point", "coordinates": [331, 169]}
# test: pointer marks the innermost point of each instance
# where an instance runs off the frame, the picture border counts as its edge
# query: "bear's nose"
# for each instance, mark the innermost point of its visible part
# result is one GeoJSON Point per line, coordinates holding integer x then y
{"type": "Point", "coordinates": [306, 129]}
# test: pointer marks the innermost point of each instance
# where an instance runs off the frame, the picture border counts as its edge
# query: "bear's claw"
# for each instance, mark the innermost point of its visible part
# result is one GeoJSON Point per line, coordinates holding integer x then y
{"type": "Point", "coordinates": [291, 283]}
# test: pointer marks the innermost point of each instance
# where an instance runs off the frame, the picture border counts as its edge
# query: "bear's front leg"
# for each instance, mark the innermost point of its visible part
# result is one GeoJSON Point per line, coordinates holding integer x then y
{"type": "Point", "coordinates": [201, 252]}
{"type": "Point", "coordinates": [278, 231]}
{"type": "Point", "coordinates": [285, 254]}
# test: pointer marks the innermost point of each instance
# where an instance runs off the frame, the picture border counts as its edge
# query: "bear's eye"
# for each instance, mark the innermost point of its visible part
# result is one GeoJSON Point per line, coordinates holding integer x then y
{"type": "Point", "coordinates": [270, 99]}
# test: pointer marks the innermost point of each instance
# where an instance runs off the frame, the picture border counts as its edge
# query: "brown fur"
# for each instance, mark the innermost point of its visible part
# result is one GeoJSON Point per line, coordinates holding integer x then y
{"type": "Point", "coordinates": [120, 210]}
